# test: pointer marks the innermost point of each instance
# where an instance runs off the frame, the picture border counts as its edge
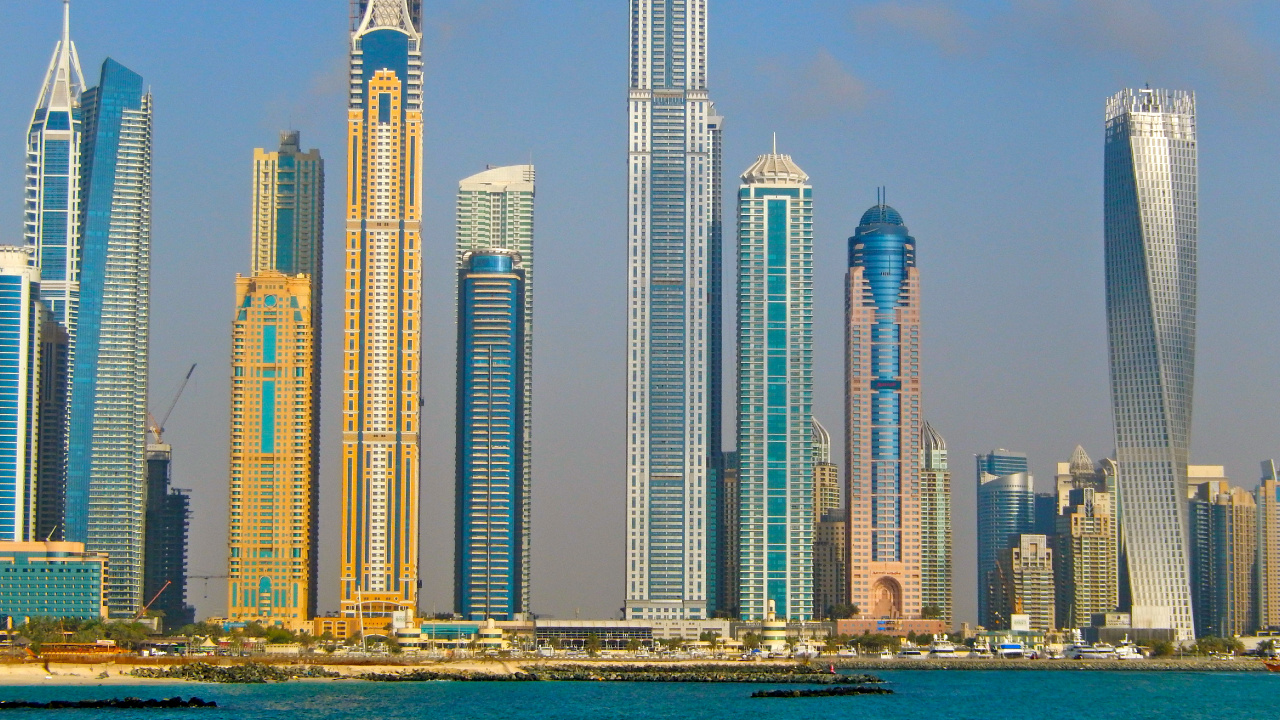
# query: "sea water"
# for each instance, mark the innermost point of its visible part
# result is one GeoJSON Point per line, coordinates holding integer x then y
{"type": "Point", "coordinates": [938, 694]}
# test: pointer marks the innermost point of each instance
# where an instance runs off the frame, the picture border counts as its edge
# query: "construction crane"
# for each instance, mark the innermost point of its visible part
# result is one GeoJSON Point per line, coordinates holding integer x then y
{"type": "Point", "coordinates": [157, 428]}
{"type": "Point", "coordinates": [143, 610]}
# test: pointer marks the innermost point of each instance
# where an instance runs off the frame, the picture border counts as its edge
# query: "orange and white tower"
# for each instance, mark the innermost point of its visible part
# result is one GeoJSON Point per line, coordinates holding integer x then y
{"type": "Point", "coordinates": [382, 308]}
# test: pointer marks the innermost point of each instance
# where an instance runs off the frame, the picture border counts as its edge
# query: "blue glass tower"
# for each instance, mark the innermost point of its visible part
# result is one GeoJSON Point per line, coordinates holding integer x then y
{"type": "Point", "coordinates": [883, 425]}
{"type": "Point", "coordinates": [51, 231]}
{"type": "Point", "coordinates": [106, 464]}
{"type": "Point", "coordinates": [21, 317]}
{"type": "Point", "coordinates": [490, 490]}
{"type": "Point", "coordinates": [1006, 509]}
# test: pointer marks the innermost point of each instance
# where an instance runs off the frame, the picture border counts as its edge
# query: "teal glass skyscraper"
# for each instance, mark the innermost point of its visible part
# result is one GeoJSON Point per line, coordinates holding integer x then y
{"type": "Point", "coordinates": [1150, 219]}
{"type": "Point", "coordinates": [106, 464]}
{"type": "Point", "coordinates": [51, 231]}
{"type": "Point", "coordinates": [490, 499]}
{"type": "Point", "coordinates": [495, 211]}
{"type": "Point", "coordinates": [775, 389]}
{"type": "Point", "coordinates": [671, 508]}
{"type": "Point", "coordinates": [21, 318]}
{"type": "Point", "coordinates": [1006, 510]}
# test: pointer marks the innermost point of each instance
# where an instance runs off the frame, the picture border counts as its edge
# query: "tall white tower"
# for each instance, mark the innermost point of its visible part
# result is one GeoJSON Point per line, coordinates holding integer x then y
{"type": "Point", "coordinates": [670, 222]}
{"type": "Point", "coordinates": [1151, 232]}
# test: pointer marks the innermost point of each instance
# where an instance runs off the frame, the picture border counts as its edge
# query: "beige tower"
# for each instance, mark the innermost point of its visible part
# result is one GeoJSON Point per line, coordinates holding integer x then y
{"type": "Point", "coordinates": [1268, 501]}
{"type": "Point", "coordinates": [883, 422]}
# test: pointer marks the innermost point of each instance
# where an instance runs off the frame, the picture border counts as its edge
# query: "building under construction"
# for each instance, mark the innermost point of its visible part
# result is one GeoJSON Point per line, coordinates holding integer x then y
{"type": "Point", "coordinates": [168, 518]}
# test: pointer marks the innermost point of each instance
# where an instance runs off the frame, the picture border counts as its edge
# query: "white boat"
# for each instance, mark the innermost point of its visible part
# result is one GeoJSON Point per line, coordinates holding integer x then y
{"type": "Point", "coordinates": [1096, 651]}
{"type": "Point", "coordinates": [1010, 651]}
{"type": "Point", "coordinates": [911, 653]}
{"type": "Point", "coordinates": [1129, 651]}
{"type": "Point", "coordinates": [806, 651]}
{"type": "Point", "coordinates": [886, 655]}
{"type": "Point", "coordinates": [942, 649]}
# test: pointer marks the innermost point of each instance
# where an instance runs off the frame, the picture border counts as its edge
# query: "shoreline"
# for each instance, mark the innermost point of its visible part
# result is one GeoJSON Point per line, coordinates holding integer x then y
{"type": "Point", "coordinates": [27, 672]}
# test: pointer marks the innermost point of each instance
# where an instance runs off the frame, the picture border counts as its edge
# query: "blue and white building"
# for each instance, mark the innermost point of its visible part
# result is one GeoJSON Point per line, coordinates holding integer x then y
{"type": "Point", "coordinates": [671, 224]}
{"type": "Point", "coordinates": [490, 500]}
{"type": "Point", "coordinates": [1150, 218]}
{"type": "Point", "coordinates": [1006, 510]}
{"type": "Point", "coordinates": [21, 318]}
{"type": "Point", "coordinates": [106, 437]}
{"type": "Point", "coordinates": [51, 232]}
{"type": "Point", "coordinates": [775, 389]}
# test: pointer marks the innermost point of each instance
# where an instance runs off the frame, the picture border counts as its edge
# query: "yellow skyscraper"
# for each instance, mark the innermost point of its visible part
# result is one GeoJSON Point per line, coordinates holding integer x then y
{"type": "Point", "coordinates": [271, 579]}
{"type": "Point", "coordinates": [275, 386]}
{"type": "Point", "coordinates": [381, 315]}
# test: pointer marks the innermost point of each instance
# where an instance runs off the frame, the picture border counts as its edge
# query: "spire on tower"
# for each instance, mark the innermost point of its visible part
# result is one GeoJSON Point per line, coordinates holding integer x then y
{"type": "Point", "coordinates": [63, 81]}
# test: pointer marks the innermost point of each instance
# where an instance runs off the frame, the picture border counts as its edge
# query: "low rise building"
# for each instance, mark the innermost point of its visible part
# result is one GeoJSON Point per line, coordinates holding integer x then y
{"type": "Point", "coordinates": [51, 579]}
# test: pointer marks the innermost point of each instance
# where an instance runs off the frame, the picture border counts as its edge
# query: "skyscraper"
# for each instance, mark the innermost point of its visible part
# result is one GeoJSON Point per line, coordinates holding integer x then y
{"type": "Point", "coordinates": [51, 230]}
{"type": "Point", "coordinates": [288, 213]}
{"type": "Point", "coordinates": [775, 389]}
{"type": "Point", "coordinates": [51, 487]}
{"type": "Point", "coordinates": [1025, 584]}
{"type": "Point", "coordinates": [670, 220]}
{"type": "Point", "coordinates": [495, 210]}
{"type": "Point", "coordinates": [1150, 219]}
{"type": "Point", "coordinates": [826, 475]}
{"type": "Point", "coordinates": [882, 417]}
{"type": "Point", "coordinates": [935, 526]}
{"type": "Point", "coordinates": [1085, 553]}
{"type": "Point", "coordinates": [106, 437]}
{"type": "Point", "coordinates": [1268, 501]}
{"type": "Point", "coordinates": [382, 310]}
{"type": "Point", "coordinates": [164, 579]}
{"type": "Point", "coordinates": [1223, 533]}
{"type": "Point", "coordinates": [275, 406]}
{"type": "Point", "coordinates": [272, 533]}
{"type": "Point", "coordinates": [1006, 509]}
{"type": "Point", "coordinates": [489, 531]}
{"type": "Point", "coordinates": [21, 320]}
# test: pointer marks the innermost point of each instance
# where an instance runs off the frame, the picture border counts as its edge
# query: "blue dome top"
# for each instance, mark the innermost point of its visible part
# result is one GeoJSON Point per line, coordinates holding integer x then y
{"type": "Point", "coordinates": [881, 214]}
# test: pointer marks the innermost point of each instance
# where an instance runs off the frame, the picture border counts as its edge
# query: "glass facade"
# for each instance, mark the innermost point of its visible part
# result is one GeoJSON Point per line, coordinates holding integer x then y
{"type": "Point", "coordinates": [1006, 510]}
{"type": "Point", "coordinates": [21, 318]}
{"type": "Point", "coordinates": [106, 463]}
{"type": "Point", "coordinates": [495, 210]}
{"type": "Point", "coordinates": [935, 527]}
{"type": "Point", "coordinates": [671, 500]}
{"type": "Point", "coordinates": [51, 230]}
{"type": "Point", "coordinates": [382, 310]}
{"type": "Point", "coordinates": [168, 520]}
{"type": "Point", "coordinates": [1150, 219]}
{"type": "Point", "coordinates": [490, 500]}
{"type": "Point", "coordinates": [883, 425]}
{"type": "Point", "coordinates": [775, 390]}
{"type": "Point", "coordinates": [51, 580]}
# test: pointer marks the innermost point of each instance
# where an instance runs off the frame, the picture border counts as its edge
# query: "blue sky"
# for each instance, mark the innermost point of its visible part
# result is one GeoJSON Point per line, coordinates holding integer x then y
{"type": "Point", "coordinates": [983, 120]}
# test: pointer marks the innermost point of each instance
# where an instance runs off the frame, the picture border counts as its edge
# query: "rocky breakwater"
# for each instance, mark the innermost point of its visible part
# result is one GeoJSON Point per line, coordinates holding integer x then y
{"type": "Point", "coordinates": [247, 673]}
{"type": "Point", "coordinates": [129, 703]}
{"type": "Point", "coordinates": [1192, 664]}
{"type": "Point", "coordinates": [636, 672]}
{"type": "Point", "coordinates": [823, 692]}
